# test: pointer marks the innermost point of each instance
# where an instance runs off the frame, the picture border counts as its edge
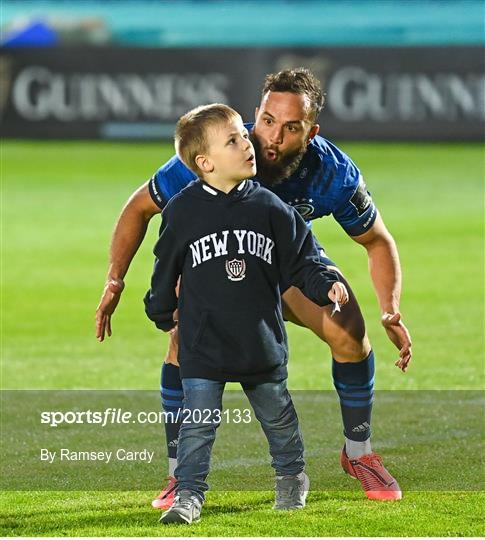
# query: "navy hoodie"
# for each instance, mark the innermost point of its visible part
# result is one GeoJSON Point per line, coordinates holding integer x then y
{"type": "Point", "coordinates": [232, 251]}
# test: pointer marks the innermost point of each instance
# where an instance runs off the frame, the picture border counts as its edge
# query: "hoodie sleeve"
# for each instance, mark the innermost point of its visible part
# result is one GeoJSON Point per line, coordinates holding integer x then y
{"type": "Point", "coordinates": [298, 257]}
{"type": "Point", "coordinates": [161, 300]}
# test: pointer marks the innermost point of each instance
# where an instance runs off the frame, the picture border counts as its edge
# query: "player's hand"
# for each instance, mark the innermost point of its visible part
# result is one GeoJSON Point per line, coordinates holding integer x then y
{"type": "Point", "coordinates": [338, 293]}
{"type": "Point", "coordinates": [400, 336]}
{"type": "Point", "coordinates": [107, 305]}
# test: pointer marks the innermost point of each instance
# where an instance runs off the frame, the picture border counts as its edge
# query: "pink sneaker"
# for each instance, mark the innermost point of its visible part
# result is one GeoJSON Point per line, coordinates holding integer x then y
{"type": "Point", "coordinates": [165, 499]}
{"type": "Point", "coordinates": [378, 484]}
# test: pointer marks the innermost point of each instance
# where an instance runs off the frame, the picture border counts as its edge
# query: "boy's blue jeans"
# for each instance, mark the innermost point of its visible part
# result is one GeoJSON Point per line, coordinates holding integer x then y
{"type": "Point", "coordinates": [273, 408]}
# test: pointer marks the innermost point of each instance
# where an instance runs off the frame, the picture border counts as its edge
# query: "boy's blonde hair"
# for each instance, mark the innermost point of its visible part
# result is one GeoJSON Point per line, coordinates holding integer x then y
{"type": "Point", "coordinates": [191, 132]}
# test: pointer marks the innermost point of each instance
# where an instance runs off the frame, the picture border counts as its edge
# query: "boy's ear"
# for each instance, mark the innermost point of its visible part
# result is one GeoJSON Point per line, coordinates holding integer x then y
{"type": "Point", "coordinates": [204, 163]}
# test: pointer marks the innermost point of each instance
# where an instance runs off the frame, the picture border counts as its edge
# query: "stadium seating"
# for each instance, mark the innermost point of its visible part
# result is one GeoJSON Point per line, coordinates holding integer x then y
{"type": "Point", "coordinates": [269, 22]}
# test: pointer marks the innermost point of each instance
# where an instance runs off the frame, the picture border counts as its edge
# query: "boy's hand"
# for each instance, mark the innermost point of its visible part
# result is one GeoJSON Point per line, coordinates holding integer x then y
{"type": "Point", "coordinates": [338, 293]}
{"type": "Point", "coordinates": [107, 305]}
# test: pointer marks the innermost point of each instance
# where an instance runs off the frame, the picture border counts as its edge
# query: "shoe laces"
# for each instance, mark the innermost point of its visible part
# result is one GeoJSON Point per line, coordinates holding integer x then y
{"type": "Point", "coordinates": [166, 491]}
{"type": "Point", "coordinates": [376, 476]}
{"type": "Point", "coordinates": [286, 488]}
{"type": "Point", "coordinates": [373, 460]}
{"type": "Point", "coordinates": [186, 502]}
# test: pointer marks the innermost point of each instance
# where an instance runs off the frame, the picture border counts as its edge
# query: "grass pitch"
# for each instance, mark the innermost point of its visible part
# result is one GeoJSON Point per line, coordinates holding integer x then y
{"type": "Point", "coordinates": [59, 203]}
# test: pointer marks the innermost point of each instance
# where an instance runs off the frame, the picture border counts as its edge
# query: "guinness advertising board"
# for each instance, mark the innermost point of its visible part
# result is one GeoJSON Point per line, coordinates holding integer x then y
{"type": "Point", "coordinates": [412, 93]}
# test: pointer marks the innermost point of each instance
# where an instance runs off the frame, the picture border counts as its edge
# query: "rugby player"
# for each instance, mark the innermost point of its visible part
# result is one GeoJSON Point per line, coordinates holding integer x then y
{"type": "Point", "coordinates": [313, 175]}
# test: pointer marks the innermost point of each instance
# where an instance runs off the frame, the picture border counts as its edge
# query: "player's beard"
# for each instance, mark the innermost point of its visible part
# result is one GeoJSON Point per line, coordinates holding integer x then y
{"type": "Point", "coordinates": [271, 173]}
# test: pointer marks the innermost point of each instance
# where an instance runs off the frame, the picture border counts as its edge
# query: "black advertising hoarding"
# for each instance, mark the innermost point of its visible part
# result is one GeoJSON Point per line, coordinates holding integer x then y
{"type": "Point", "coordinates": [117, 92]}
{"type": "Point", "coordinates": [418, 93]}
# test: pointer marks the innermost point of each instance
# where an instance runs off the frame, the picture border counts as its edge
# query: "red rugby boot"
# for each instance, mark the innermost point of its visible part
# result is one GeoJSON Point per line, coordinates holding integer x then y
{"type": "Point", "coordinates": [165, 499]}
{"type": "Point", "coordinates": [378, 484]}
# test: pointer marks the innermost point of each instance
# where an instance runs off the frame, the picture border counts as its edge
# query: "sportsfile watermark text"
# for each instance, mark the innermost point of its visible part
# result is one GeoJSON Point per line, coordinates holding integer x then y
{"type": "Point", "coordinates": [118, 416]}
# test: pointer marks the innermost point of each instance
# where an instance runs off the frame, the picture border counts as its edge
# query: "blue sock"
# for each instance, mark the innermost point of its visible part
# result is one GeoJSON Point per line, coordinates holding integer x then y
{"type": "Point", "coordinates": [172, 402]}
{"type": "Point", "coordinates": [354, 383]}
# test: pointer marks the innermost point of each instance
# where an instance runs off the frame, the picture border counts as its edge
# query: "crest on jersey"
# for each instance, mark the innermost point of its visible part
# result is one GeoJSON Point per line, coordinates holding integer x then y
{"type": "Point", "coordinates": [305, 209]}
{"type": "Point", "coordinates": [236, 270]}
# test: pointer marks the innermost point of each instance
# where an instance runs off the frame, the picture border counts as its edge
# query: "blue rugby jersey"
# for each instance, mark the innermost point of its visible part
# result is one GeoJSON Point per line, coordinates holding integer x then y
{"type": "Point", "coordinates": [327, 182]}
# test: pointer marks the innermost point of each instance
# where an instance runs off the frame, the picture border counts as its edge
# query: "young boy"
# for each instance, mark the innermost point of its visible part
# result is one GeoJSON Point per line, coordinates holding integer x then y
{"type": "Point", "coordinates": [232, 242]}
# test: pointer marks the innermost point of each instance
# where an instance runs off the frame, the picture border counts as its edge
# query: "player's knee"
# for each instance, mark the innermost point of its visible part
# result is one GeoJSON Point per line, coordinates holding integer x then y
{"type": "Point", "coordinates": [172, 353]}
{"type": "Point", "coordinates": [348, 350]}
{"type": "Point", "coordinates": [171, 359]}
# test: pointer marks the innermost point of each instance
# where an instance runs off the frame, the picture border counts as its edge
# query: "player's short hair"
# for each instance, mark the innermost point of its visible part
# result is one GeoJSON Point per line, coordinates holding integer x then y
{"type": "Point", "coordinates": [191, 132]}
{"type": "Point", "coordinates": [297, 81]}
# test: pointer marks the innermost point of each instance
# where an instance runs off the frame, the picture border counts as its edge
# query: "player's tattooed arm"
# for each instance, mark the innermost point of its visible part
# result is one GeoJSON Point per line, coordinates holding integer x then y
{"type": "Point", "coordinates": [385, 270]}
{"type": "Point", "coordinates": [127, 236]}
